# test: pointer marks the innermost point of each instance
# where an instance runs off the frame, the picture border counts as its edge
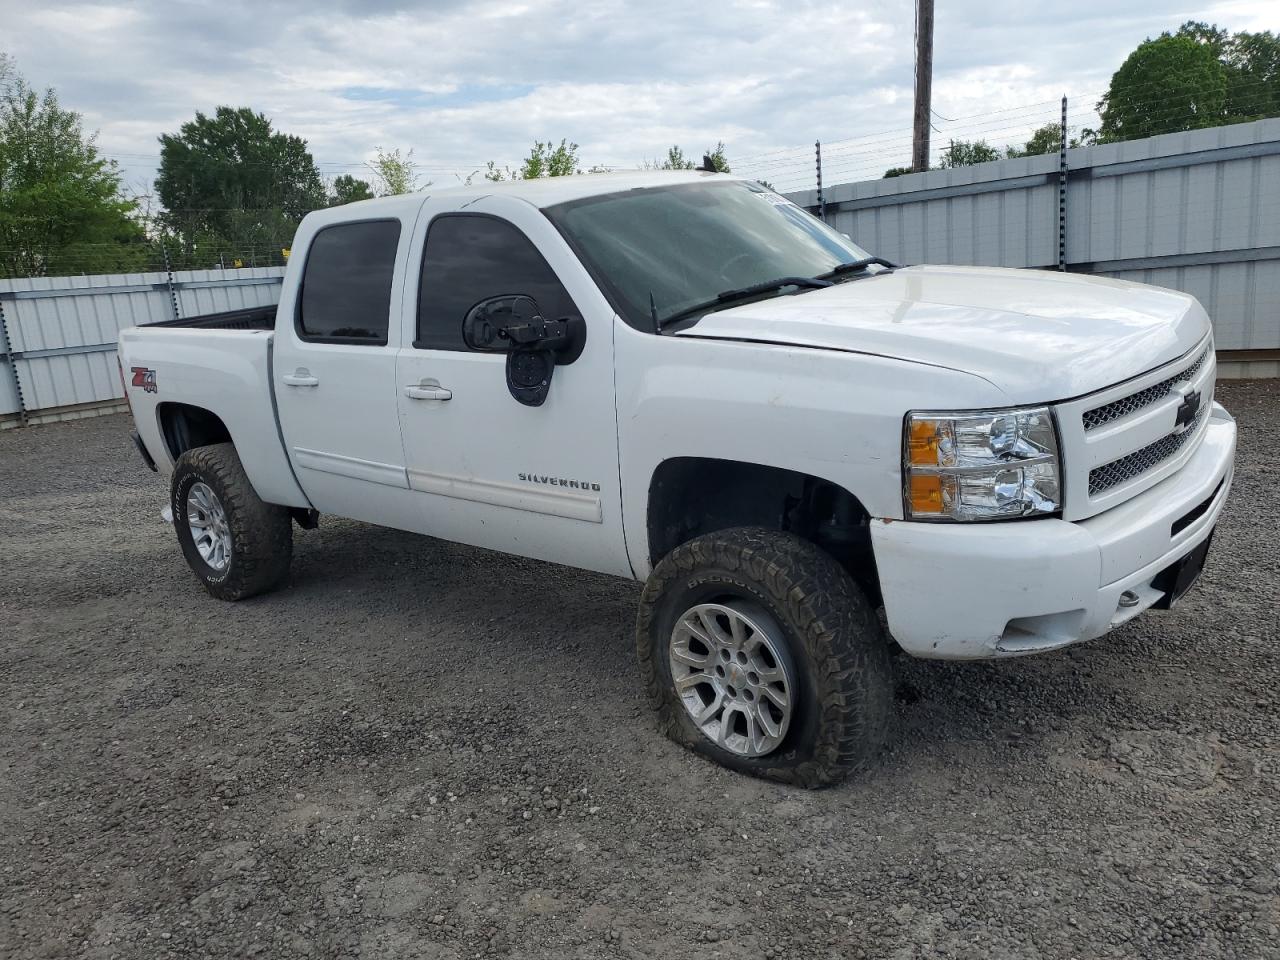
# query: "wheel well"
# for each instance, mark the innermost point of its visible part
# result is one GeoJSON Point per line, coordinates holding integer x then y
{"type": "Point", "coordinates": [185, 427]}
{"type": "Point", "coordinates": [691, 496]}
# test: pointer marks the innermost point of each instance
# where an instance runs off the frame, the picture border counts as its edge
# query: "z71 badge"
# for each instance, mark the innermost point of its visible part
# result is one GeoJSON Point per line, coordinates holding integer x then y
{"type": "Point", "coordinates": [145, 378]}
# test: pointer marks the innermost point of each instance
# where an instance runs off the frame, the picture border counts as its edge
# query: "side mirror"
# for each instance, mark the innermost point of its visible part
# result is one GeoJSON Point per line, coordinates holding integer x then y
{"type": "Point", "coordinates": [486, 325]}
{"type": "Point", "coordinates": [533, 344]}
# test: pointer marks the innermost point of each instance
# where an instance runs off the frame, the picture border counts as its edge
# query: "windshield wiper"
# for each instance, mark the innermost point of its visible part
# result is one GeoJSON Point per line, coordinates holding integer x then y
{"type": "Point", "coordinates": [725, 297]}
{"type": "Point", "coordinates": [854, 266]}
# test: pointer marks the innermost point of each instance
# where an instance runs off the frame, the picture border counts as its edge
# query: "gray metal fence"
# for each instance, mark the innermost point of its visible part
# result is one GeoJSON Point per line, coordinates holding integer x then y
{"type": "Point", "coordinates": [1196, 211]}
{"type": "Point", "coordinates": [58, 334]}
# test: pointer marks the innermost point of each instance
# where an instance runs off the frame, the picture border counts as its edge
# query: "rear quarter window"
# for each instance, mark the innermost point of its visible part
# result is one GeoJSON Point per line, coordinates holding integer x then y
{"type": "Point", "coordinates": [346, 285]}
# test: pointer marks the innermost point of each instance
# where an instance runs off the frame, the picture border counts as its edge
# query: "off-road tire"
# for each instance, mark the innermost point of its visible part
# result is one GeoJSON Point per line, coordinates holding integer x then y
{"type": "Point", "coordinates": [261, 533]}
{"type": "Point", "coordinates": [840, 653]}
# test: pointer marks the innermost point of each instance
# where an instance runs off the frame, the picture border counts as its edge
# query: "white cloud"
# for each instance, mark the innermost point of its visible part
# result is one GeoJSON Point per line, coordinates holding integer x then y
{"type": "Point", "coordinates": [465, 81]}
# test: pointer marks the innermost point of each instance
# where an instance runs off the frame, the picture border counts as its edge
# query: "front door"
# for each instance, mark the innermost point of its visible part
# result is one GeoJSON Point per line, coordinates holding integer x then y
{"type": "Point", "coordinates": [538, 481]}
{"type": "Point", "coordinates": [334, 370]}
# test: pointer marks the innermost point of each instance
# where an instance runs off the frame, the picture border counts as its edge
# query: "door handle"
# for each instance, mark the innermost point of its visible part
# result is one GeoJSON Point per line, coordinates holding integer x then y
{"type": "Point", "coordinates": [301, 378]}
{"type": "Point", "coordinates": [427, 391]}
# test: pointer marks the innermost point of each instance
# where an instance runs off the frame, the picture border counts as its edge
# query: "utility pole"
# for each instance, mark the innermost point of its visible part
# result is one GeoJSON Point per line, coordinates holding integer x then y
{"type": "Point", "coordinates": [924, 85]}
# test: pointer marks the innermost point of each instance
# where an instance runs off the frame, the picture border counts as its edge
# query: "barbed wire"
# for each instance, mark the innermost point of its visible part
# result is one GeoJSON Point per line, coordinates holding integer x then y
{"type": "Point", "coordinates": [978, 126]}
{"type": "Point", "coordinates": [845, 159]}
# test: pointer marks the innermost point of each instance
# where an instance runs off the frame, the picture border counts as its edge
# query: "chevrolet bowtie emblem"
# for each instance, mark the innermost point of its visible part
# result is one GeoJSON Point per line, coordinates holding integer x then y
{"type": "Point", "coordinates": [1187, 411]}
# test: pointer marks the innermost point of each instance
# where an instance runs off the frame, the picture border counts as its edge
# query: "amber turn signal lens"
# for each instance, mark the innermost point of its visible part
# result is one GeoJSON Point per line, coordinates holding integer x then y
{"type": "Point", "coordinates": [922, 442]}
{"type": "Point", "coordinates": [926, 494]}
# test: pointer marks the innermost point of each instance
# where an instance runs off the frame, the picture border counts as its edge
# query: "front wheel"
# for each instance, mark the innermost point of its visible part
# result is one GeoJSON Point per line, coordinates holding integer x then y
{"type": "Point", "coordinates": [759, 651]}
{"type": "Point", "coordinates": [235, 544]}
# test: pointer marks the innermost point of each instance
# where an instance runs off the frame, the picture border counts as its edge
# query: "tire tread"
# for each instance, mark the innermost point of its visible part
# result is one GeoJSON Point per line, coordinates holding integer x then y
{"type": "Point", "coordinates": [841, 635]}
{"type": "Point", "coordinates": [262, 533]}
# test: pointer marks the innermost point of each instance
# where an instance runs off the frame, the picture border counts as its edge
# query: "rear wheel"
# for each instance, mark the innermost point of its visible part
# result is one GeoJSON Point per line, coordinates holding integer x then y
{"type": "Point", "coordinates": [235, 544]}
{"type": "Point", "coordinates": [759, 651]}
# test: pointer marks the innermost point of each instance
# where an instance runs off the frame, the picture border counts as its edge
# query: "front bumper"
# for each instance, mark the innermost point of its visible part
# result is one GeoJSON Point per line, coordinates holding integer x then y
{"type": "Point", "coordinates": [976, 591]}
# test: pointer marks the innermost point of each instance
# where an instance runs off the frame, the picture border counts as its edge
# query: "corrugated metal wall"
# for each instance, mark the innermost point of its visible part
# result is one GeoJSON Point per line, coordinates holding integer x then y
{"type": "Point", "coordinates": [1197, 211]}
{"type": "Point", "coordinates": [58, 337]}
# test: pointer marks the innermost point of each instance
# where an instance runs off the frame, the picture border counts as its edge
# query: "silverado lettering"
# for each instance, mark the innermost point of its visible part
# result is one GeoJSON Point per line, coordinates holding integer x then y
{"type": "Point", "coordinates": [560, 482]}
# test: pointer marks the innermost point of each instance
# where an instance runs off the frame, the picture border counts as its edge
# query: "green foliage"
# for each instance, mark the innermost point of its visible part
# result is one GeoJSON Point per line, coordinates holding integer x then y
{"type": "Point", "coordinates": [719, 162]}
{"type": "Point", "coordinates": [1046, 139]}
{"type": "Point", "coordinates": [396, 174]}
{"type": "Point", "coordinates": [1253, 76]}
{"type": "Point", "coordinates": [547, 161]}
{"type": "Point", "coordinates": [1200, 76]}
{"type": "Point", "coordinates": [1172, 83]}
{"type": "Point", "coordinates": [61, 207]}
{"type": "Point", "coordinates": [348, 189]}
{"type": "Point", "coordinates": [1208, 34]}
{"type": "Point", "coordinates": [676, 160]}
{"type": "Point", "coordinates": [543, 160]}
{"type": "Point", "coordinates": [896, 172]}
{"type": "Point", "coordinates": [234, 177]}
{"type": "Point", "coordinates": [965, 153]}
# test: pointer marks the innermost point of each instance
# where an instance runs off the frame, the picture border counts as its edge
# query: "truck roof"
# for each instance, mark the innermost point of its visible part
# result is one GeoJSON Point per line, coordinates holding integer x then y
{"type": "Point", "coordinates": [542, 192]}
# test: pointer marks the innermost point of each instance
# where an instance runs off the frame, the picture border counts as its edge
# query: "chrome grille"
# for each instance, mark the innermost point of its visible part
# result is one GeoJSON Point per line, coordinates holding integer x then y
{"type": "Point", "coordinates": [1136, 401]}
{"type": "Point", "coordinates": [1140, 461]}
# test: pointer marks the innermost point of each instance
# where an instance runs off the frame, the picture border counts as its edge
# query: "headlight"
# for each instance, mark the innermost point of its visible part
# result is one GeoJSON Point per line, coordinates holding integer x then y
{"type": "Point", "coordinates": [980, 465]}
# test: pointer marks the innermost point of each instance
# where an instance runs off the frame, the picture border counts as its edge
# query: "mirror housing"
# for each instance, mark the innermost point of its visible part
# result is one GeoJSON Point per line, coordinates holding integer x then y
{"type": "Point", "coordinates": [486, 324]}
{"type": "Point", "coordinates": [513, 322]}
{"type": "Point", "coordinates": [534, 345]}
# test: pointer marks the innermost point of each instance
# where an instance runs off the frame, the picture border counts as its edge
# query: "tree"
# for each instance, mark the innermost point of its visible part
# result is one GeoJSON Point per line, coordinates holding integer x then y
{"type": "Point", "coordinates": [348, 189]}
{"type": "Point", "coordinates": [543, 160]}
{"type": "Point", "coordinates": [719, 162]}
{"type": "Point", "coordinates": [1172, 83]}
{"type": "Point", "coordinates": [676, 160]}
{"type": "Point", "coordinates": [896, 172]}
{"type": "Point", "coordinates": [547, 161]}
{"type": "Point", "coordinates": [1217, 77]}
{"type": "Point", "coordinates": [61, 208]}
{"type": "Point", "coordinates": [965, 153]}
{"type": "Point", "coordinates": [1046, 139]}
{"type": "Point", "coordinates": [396, 174]}
{"type": "Point", "coordinates": [233, 176]}
{"type": "Point", "coordinates": [1253, 76]}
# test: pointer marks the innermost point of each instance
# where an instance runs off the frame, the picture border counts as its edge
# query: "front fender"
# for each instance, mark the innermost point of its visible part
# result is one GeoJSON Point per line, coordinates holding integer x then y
{"type": "Point", "coordinates": [830, 414]}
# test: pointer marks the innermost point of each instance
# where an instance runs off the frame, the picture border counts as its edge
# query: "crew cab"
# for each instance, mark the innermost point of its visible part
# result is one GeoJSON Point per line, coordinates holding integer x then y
{"type": "Point", "coordinates": [685, 379]}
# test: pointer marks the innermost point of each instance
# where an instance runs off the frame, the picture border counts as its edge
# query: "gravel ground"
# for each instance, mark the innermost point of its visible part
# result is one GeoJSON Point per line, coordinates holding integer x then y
{"type": "Point", "coordinates": [424, 750]}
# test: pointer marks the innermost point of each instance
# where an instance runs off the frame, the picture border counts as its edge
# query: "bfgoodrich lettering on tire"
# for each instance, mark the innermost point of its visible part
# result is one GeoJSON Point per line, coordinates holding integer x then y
{"type": "Point", "coordinates": [235, 544]}
{"type": "Point", "coordinates": [759, 651]}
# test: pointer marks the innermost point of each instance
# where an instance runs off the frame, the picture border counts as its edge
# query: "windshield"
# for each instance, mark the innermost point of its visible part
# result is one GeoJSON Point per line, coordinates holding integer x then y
{"type": "Point", "coordinates": [664, 250]}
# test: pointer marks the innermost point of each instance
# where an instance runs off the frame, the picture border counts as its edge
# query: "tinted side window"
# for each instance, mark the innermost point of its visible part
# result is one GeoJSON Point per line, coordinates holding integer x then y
{"type": "Point", "coordinates": [346, 286]}
{"type": "Point", "coordinates": [469, 258]}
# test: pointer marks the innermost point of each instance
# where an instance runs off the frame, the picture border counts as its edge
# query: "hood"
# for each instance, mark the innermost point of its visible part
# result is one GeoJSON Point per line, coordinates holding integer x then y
{"type": "Point", "coordinates": [1039, 336]}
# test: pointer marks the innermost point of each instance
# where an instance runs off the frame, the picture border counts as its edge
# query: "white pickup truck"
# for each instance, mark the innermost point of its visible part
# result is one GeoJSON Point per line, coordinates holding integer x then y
{"type": "Point", "coordinates": [685, 379]}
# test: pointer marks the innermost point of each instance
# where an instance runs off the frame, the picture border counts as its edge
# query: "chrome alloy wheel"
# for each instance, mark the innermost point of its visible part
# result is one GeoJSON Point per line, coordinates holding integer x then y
{"type": "Point", "coordinates": [732, 674]}
{"type": "Point", "coordinates": [210, 531]}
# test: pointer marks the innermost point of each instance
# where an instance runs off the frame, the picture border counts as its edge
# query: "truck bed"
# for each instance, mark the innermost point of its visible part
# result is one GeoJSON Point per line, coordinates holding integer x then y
{"type": "Point", "coordinates": [221, 364]}
{"type": "Point", "coordinates": [248, 318]}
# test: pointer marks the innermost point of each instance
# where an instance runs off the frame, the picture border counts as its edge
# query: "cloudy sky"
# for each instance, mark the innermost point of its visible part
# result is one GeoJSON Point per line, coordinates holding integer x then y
{"type": "Point", "coordinates": [465, 81]}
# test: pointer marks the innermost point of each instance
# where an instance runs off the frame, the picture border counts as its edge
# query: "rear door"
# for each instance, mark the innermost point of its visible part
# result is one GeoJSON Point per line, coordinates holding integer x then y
{"type": "Point", "coordinates": [538, 481]}
{"type": "Point", "coordinates": [335, 369]}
